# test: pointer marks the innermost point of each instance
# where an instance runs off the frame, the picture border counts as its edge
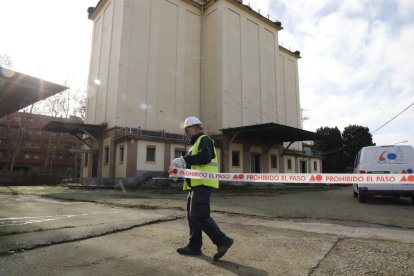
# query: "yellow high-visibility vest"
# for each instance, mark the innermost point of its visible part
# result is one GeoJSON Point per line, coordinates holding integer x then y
{"type": "Point", "coordinates": [210, 167]}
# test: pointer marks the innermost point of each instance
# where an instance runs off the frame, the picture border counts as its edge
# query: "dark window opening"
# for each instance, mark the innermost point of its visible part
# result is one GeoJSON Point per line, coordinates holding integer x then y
{"type": "Point", "coordinates": [106, 155]}
{"type": "Point", "coordinates": [289, 164]}
{"type": "Point", "coordinates": [235, 158]}
{"type": "Point", "coordinates": [150, 154]}
{"type": "Point", "coordinates": [273, 161]}
{"type": "Point", "coordinates": [255, 163]}
{"type": "Point", "coordinates": [85, 163]}
{"type": "Point", "coordinates": [303, 166]}
{"type": "Point", "coordinates": [121, 154]}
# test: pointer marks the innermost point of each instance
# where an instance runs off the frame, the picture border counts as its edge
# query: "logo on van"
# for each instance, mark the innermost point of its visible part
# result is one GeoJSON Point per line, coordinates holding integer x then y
{"type": "Point", "coordinates": [386, 156]}
{"type": "Point", "coordinates": [392, 156]}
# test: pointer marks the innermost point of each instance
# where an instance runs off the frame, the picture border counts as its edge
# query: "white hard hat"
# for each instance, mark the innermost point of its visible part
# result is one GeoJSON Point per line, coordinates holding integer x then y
{"type": "Point", "coordinates": [190, 121]}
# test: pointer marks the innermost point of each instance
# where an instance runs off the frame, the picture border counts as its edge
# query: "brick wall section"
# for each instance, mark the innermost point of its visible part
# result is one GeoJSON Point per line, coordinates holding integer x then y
{"type": "Point", "coordinates": [167, 156]}
{"type": "Point", "coordinates": [132, 148]}
{"type": "Point", "coordinates": [34, 145]}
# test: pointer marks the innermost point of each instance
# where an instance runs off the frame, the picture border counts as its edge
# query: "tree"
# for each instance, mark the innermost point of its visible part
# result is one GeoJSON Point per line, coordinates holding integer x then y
{"type": "Point", "coordinates": [303, 117]}
{"type": "Point", "coordinates": [79, 105]}
{"type": "Point", "coordinates": [354, 138]}
{"type": "Point", "coordinates": [332, 141]}
{"type": "Point", "coordinates": [17, 131]}
{"type": "Point", "coordinates": [6, 61]}
{"type": "Point", "coordinates": [56, 106]}
{"type": "Point", "coordinates": [64, 105]}
{"type": "Point", "coordinates": [339, 150]}
{"type": "Point", "coordinates": [71, 102]}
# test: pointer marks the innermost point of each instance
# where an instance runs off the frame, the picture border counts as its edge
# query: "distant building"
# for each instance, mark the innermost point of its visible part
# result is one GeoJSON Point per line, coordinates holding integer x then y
{"type": "Point", "coordinates": [155, 62]}
{"type": "Point", "coordinates": [36, 150]}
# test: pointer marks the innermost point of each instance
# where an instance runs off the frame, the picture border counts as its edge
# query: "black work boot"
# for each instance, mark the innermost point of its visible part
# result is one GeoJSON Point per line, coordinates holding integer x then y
{"type": "Point", "coordinates": [222, 249]}
{"type": "Point", "coordinates": [188, 250]}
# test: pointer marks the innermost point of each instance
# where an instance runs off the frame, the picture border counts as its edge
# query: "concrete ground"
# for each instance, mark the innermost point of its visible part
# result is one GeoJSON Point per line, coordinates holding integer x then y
{"type": "Point", "coordinates": [61, 231]}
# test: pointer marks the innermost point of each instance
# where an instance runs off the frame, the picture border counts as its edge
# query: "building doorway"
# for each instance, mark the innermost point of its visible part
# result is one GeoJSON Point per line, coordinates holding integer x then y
{"type": "Point", "coordinates": [255, 163]}
{"type": "Point", "coordinates": [303, 166]}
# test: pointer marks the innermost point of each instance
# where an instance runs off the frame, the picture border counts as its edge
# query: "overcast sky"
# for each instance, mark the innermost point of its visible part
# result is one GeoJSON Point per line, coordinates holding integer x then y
{"type": "Point", "coordinates": [357, 65]}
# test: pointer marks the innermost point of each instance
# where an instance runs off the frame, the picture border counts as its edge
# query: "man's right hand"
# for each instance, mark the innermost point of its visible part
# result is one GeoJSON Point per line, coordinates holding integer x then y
{"type": "Point", "coordinates": [178, 163]}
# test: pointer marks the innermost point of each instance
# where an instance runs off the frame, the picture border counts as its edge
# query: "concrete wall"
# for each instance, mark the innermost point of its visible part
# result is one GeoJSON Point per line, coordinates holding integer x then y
{"type": "Point", "coordinates": [142, 164]}
{"type": "Point", "coordinates": [288, 91]}
{"type": "Point", "coordinates": [250, 56]}
{"type": "Point", "coordinates": [159, 61]}
{"type": "Point", "coordinates": [163, 73]}
{"type": "Point", "coordinates": [211, 66]}
{"type": "Point", "coordinates": [154, 49]}
{"type": "Point", "coordinates": [246, 79]}
{"type": "Point", "coordinates": [104, 64]}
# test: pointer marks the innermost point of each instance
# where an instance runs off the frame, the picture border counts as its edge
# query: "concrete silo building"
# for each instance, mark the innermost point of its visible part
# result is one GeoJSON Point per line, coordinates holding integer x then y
{"type": "Point", "coordinates": [155, 62]}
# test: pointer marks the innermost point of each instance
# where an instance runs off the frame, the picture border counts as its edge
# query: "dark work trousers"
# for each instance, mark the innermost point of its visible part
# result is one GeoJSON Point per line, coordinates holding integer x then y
{"type": "Point", "coordinates": [199, 220]}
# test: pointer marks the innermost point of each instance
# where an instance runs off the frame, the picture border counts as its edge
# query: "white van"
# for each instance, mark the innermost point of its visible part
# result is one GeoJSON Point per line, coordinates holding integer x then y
{"type": "Point", "coordinates": [384, 159]}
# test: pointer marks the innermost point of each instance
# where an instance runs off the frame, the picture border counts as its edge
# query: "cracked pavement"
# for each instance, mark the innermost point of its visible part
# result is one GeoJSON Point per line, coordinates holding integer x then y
{"type": "Point", "coordinates": [103, 232]}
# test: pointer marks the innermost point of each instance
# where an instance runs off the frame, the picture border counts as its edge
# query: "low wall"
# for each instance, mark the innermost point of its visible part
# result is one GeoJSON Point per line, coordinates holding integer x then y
{"type": "Point", "coordinates": [143, 179]}
{"type": "Point", "coordinates": [27, 178]}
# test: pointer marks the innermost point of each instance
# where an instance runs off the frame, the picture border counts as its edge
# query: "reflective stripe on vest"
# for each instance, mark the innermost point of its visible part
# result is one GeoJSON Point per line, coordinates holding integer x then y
{"type": "Point", "coordinates": [210, 167]}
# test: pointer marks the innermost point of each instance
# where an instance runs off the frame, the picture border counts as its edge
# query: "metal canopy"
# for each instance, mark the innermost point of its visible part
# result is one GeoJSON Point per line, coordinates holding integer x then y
{"type": "Point", "coordinates": [73, 128]}
{"type": "Point", "coordinates": [18, 90]}
{"type": "Point", "coordinates": [271, 132]}
{"type": "Point", "coordinates": [76, 129]}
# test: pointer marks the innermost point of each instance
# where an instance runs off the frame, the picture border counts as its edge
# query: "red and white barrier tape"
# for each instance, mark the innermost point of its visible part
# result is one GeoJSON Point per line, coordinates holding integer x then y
{"type": "Point", "coordinates": [312, 178]}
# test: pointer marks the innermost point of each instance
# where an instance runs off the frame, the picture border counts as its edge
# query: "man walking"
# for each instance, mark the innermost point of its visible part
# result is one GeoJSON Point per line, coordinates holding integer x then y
{"type": "Point", "coordinates": [201, 156]}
